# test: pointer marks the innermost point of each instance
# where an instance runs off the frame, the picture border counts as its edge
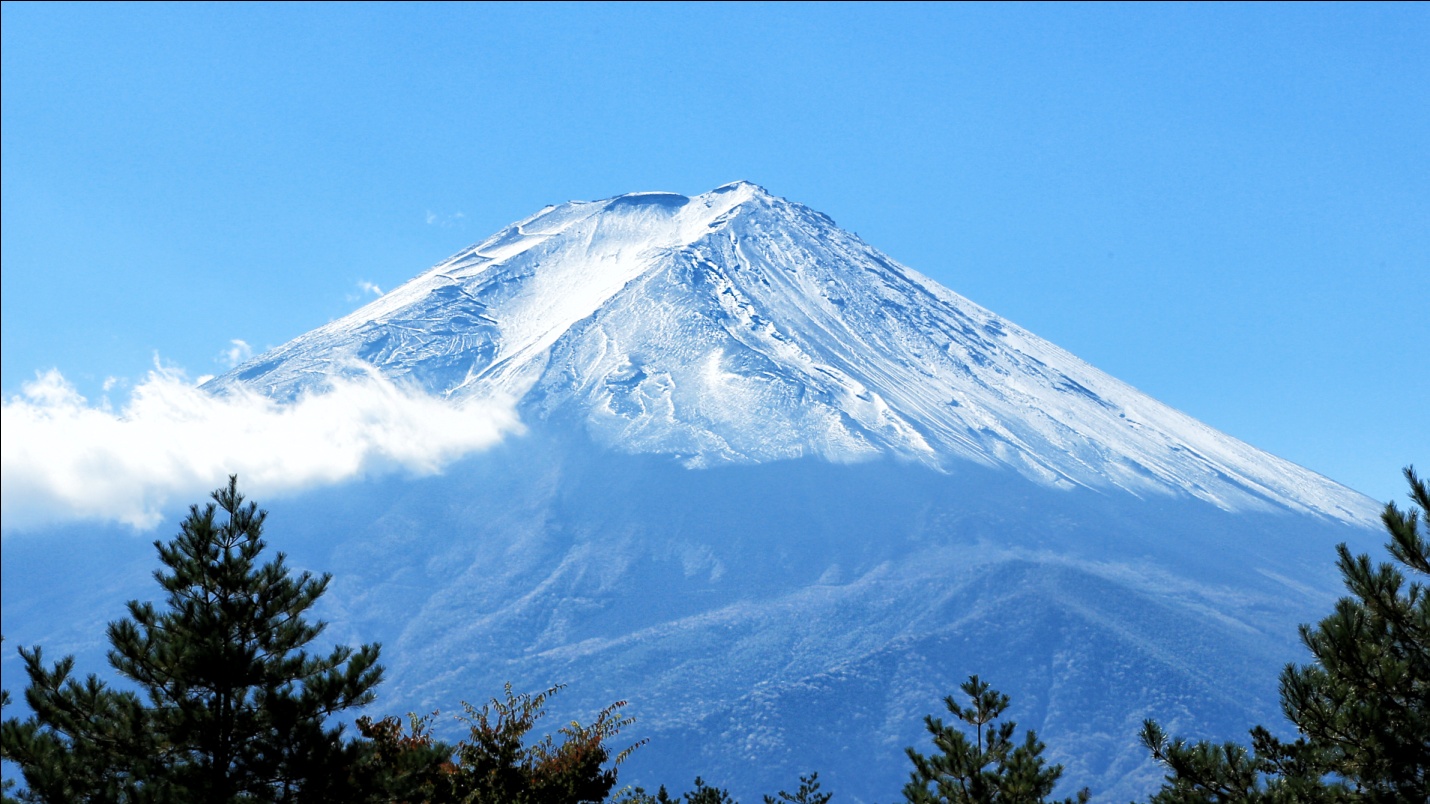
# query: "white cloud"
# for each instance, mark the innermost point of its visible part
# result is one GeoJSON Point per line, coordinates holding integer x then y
{"type": "Point", "coordinates": [65, 459]}
{"type": "Point", "coordinates": [237, 352]}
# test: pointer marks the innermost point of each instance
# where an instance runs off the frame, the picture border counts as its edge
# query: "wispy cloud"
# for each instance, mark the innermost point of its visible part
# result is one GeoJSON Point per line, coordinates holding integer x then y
{"type": "Point", "coordinates": [364, 289]}
{"type": "Point", "coordinates": [237, 352]}
{"type": "Point", "coordinates": [64, 458]}
{"type": "Point", "coordinates": [445, 221]}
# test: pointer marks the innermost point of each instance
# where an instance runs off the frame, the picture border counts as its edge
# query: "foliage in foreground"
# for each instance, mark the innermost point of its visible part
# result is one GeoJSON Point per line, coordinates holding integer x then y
{"type": "Point", "coordinates": [496, 764]}
{"type": "Point", "coordinates": [703, 793]}
{"type": "Point", "coordinates": [1362, 707]}
{"type": "Point", "coordinates": [229, 706]}
{"type": "Point", "coordinates": [990, 767]}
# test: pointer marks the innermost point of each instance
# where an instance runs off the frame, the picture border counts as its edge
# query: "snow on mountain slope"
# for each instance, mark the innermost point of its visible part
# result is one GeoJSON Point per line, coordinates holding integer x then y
{"type": "Point", "coordinates": [736, 326]}
{"type": "Point", "coordinates": [783, 494]}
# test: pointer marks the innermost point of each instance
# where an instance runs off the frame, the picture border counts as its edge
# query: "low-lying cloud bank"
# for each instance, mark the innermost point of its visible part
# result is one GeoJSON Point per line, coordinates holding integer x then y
{"type": "Point", "coordinates": [65, 459]}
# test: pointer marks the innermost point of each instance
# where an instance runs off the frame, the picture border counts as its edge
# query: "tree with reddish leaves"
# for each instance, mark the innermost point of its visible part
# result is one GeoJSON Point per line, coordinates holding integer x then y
{"type": "Point", "coordinates": [497, 763]}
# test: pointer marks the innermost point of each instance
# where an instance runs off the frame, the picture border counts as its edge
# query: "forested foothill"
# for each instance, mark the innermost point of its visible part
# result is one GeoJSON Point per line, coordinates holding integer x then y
{"type": "Point", "coordinates": [221, 700]}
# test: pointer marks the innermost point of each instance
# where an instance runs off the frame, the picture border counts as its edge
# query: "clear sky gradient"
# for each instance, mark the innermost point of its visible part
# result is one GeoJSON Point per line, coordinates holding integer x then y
{"type": "Point", "coordinates": [1226, 206]}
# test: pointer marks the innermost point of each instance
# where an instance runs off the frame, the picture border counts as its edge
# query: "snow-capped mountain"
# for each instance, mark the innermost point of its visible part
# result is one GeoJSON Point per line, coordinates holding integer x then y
{"type": "Point", "coordinates": [782, 494]}
{"type": "Point", "coordinates": [738, 327]}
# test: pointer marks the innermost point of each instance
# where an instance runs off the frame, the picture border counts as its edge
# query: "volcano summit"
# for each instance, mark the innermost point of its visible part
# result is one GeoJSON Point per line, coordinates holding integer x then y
{"type": "Point", "coordinates": [738, 327]}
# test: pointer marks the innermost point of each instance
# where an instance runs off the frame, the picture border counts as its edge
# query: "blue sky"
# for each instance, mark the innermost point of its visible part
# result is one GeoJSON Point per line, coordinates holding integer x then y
{"type": "Point", "coordinates": [1227, 206]}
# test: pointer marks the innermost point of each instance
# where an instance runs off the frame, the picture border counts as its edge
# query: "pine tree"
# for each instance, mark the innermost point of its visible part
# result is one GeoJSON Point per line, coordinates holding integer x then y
{"type": "Point", "coordinates": [229, 706]}
{"type": "Point", "coordinates": [806, 793]}
{"type": "Point", "coordinates": [704, 793]}
{"type": "Point", "coordinates": [85, 741]}
{"type": "Point", "coordinates": [988, 769]}
{"type": "Point", "coordinates": [1362, 706]}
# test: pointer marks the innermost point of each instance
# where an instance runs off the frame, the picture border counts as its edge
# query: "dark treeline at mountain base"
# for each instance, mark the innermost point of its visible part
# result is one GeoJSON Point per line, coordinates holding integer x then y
{"type": "Point", "coordinates": [227, 705]}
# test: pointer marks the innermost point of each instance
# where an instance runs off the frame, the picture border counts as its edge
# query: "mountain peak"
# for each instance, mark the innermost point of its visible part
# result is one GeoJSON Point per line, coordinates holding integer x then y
{"type": "Point", "coordinates": [742, 186]}
{"type": "Point", "coordinates": [721, 199]}
{"type": "Point", "coordinates": [718, 330]}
